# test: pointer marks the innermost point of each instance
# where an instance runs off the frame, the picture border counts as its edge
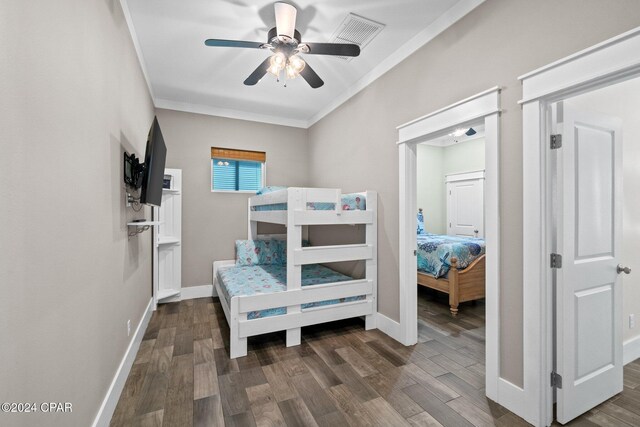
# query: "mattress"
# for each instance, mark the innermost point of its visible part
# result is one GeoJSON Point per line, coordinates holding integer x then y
{"type": "Point", "coordinates": [350, 202]}
{"type": "Point", "coordinates": [435, 252]}
{"type": "Point", "coordinates": [266, 279]}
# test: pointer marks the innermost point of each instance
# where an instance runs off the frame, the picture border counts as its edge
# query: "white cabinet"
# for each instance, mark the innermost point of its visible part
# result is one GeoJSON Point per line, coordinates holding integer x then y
{"type": "Point", "coordinates": [167, 240]}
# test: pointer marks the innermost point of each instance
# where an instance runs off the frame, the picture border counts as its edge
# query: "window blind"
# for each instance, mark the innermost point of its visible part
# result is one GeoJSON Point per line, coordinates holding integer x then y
{"type": "Point", "coordinates": [235, 175]}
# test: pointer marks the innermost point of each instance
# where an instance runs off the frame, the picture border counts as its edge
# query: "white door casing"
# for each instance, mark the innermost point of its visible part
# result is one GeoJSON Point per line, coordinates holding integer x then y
{"type": "Point", "coordinates": [589, 238]}
{"type": "Point", "coordinates": [465, 205]}
{"type": "Point", "coordinates": [598, 66]}
{"type": "Point", "coordinates": [480, 108]}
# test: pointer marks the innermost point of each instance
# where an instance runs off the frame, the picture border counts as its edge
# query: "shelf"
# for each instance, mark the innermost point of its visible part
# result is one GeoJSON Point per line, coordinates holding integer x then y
{"type": "Point", "coordinates": [168, 241]}
{"type": "Point", "coordinates": [167, 293]}
{"type": "Point", "coordinates": [141, 226]}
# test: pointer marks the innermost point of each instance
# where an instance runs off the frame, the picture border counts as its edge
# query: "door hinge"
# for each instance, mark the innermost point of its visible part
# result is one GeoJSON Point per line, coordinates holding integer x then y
{"type": "Point", "coordinates": [556, 380]}
{"type": "Point", "coordinates": [415, 252]}
{"type": "Point", "coordinates": [556, 261]}
{"type": "Point", "coordinates": [556, 141]}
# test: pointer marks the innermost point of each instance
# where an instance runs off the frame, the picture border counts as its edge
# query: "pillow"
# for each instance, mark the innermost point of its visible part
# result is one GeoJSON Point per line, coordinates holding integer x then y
{"type": "Point", "coordinates": [257, 252]}
{"type": "Point", "coordinates": [270, 189]}
{"type": "Point", "coordinates": [420, 222]}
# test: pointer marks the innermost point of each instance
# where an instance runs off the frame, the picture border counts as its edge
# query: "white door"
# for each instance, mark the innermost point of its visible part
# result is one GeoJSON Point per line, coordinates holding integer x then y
{"type": "Point", "coordinates": [465, 205]}
{"type": "Point", "coordinates": [589, 239]}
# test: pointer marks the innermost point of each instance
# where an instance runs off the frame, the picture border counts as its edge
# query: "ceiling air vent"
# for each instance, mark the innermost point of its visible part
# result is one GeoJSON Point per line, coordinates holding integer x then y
{"type": "Point", "coordinates": [358, 30]}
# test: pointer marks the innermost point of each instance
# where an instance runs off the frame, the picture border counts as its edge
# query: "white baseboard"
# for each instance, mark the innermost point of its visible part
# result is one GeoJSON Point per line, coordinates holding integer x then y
{"type": "Point", "coordinates": [631, 350]}
{"type": "Point", "coordinates": [389, 327]}
{"type": "Point", "coordinates": [193, 292]}
{"type": "Point", "coordinates": [103, 417]}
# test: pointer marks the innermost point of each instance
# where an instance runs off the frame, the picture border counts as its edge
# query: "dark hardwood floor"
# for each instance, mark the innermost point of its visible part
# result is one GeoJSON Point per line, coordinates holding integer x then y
{"type": "Point", "coordinates": [340, 375]}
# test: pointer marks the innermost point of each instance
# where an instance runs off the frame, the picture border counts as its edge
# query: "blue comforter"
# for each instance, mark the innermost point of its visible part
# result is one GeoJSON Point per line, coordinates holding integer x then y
{"type": "Point", "coordinates": [435, 252]}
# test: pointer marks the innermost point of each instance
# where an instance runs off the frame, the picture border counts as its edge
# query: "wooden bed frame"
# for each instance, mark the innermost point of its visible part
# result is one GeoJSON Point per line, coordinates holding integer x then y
{"type": "Point", "coordinates": [462, 286]}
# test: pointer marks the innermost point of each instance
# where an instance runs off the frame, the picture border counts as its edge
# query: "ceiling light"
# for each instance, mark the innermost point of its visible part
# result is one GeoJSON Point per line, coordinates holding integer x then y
{"type": "Point", "coordinates": [295, 65]}
{"type": "Point", "coordinates": [458, 132]}
{"type": "Point", "coordinates": [277, 63]}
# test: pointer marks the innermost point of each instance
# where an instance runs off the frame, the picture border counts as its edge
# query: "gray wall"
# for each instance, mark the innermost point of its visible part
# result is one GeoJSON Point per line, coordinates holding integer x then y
{"type": "Point", "coordinates": [72, 98]}
{"type": "Point", "coordinates": [433, 164]}
{"type": "Point", "coordinates": [354, 147]}
{"type": "Point", "coordinates": [211, 222]}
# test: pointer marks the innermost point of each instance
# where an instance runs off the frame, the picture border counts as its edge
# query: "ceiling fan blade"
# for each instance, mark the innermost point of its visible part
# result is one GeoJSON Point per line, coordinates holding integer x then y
{"type": "Point", "coordinates": [285, 19]}
{"type": "Point", "coordinates": [258, 74]}
{"type": "Point", "coordinates": [311, 77]}
{"type": "Point", "coordinates": [337, 49]}
{"type": "Point", "coordinates": [233, 43]}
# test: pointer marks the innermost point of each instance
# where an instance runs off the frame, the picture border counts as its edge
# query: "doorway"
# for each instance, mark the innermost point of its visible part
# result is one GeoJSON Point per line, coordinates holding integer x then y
{"type": "Point", "coordinates": [479, 110]}
{"type": "Point", "coordinates": [574, 244]}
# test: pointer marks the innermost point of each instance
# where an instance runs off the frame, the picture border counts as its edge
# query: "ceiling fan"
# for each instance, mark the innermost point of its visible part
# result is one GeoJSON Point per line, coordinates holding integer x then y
{"type": "Point", "coordinates": [286, 44]}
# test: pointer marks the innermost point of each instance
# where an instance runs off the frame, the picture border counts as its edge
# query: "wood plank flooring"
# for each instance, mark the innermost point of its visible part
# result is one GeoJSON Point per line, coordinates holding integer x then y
{"type": "Point", "coordinates": [341, 375]}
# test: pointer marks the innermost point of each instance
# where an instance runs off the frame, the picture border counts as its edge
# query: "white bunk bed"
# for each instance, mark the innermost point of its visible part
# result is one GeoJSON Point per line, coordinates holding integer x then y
{"type": "Point", "coordinates": [296, 216]}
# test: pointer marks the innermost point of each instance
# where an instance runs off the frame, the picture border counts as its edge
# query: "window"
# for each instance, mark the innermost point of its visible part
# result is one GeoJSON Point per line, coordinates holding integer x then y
{"type": "Point", "coordinates": [237, 170]}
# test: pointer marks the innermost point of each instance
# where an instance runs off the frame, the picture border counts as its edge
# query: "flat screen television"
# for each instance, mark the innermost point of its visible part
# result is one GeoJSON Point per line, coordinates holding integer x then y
{"type": "Point", "coordinates": [154, 161]}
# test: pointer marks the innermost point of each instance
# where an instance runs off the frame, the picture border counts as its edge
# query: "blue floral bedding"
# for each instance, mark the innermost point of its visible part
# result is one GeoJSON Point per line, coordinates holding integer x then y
{"type": "Point", "coordinates": [266, 279]}
{"type": "Point", "coordinates": [350, 202]}
{"type": "Point", "coordinates": [435, 252]}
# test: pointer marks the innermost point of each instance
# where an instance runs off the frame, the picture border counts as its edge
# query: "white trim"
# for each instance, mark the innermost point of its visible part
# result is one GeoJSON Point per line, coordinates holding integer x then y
{"type": "Point", "coordinates": [464, 176]}
{"type": "Point", "coordinates": [108, 406]}
{"type": "Point", "coordinates": [389, 327]}
{"type": "Point", "coordinates": [619, 57]}
{"type": "Point", "coordinates": [446, 20]}
{"type": "Point", "coordinates": [483, 107]}
{"type": "Point", "coordinates": [199, 291]}
{"type": "Point", "coordinates": [449, 107]}
{"type": "Point", "coordinates": [136, 44]}
{"type": "Point", "coordinates": [229, 113]}
{"type": "Point", "coordinates": [441, 122]}
{"type": "Point", "coordinates": [606, 63]}
{"type": "Point", "coordinates": [631, 350]}
{"type": "Point", "coordinates": [583, 53]}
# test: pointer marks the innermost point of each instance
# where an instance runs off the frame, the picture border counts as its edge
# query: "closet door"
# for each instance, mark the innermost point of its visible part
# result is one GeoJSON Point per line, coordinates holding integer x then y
{"type": "Point", "coordinates": [588, 282]}
{"type": "Point", "coordinates": [465, 205]}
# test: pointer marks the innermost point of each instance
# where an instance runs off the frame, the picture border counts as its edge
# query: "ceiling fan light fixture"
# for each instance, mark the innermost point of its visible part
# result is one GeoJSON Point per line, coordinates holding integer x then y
{"type": "Point", "coordinates": [278, 60]}
{"type": "Point", "coordinates": [277, 63]}
{"type": "Point", "coordinates": [295, 65]}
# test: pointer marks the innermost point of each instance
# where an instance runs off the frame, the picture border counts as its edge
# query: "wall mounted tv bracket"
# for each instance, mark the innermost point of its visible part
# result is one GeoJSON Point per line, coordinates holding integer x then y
{"type": "Point", "coordinates": [133, 175]}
